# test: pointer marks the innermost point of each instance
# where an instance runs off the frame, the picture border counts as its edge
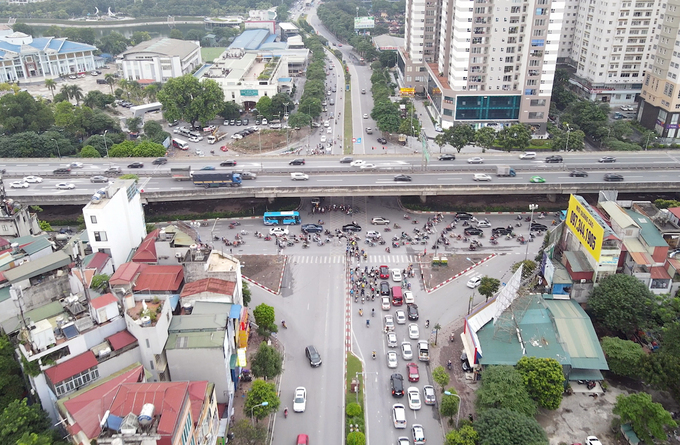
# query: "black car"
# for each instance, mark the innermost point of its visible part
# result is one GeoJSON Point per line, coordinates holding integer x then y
{"type": "Point", "coordinates": [62, 171]}
{"type": "Point", "coordinates": [384, 288]}
{"type": "Point", "coordinates": [607, 159]}
{"type": "Point", "coordinates": [228, 163]}
{"type": "Point", "coordinates": [246, 121]}
{"type": "Point", "coordinates": [397, 385]}
{"type": "Point", "coordinates": [412, 310]}
{"type": "Point", "coordinates": [346, 160]}
{"type": "Point", "coordinates": [258, 121]}
{"type": "Point", "coordinates": [466, 365]}
{"type": "Point", "coordinates": [553, 159]}
{"type": "Point", "coordinates": [613, 177]}
{"type": "Point", "coordinates": [312, 228]}
{"type": "Point", "coordinates": [539, 227]}
{"type": "Point", "coordinates": [136, 165]}
{"type": "Point", "coordinates": [238, 122]}
{"type": "Point", "coordinates": [447, 157]}
{"type": "Point", "coordinates": [402, 178]}
{"type": "Point", "coordinates": [578, 173]}
{"type": "Point", "coordinates": [351, 228]}
{"type": "Point", "coordinates": [463, 215]}
{"type": "Point", "coordinates": [501, 231]}
{"type": "Point", "coordinates": [382, 141]}
{"type": "Point", "coordinates": [297, 162]}
{"type": "Point", "coordinates": [469, 231]}
{"type": "Point", "coordinates": [313, 356]}
{"type": "Point", "coordinates": [160, 161]}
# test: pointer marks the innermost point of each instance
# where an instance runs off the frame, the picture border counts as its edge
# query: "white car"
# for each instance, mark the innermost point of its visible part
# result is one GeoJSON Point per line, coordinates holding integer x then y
{"type": "Point", "coordinates": [391, 340]}
{"type": "Point", "coordinates": [418, 435]}
{"type": "Point", "coordinates": [65, 186]}
{"type": "Point", "coordinates": [276, 231]}
{"type": "Point", "coordinates": [475, 160]}
{"type": "Point", "coordinates": [392, 359]}
{"type": "Point", "coordinates": [385, 304]}
{"type": "Point", "coordinates": [326, 124]}
{"type": "Point", "coordinates": [528, 155]}
{"type": "Point", "coordinates": [365, 116]}
{"type": "Point", "coordinates": [367, 167]}
{"type": "Point", "coordinates": [396, 275]}
{"type": "Point", "coordinates": [357, 163]}
{"type": "Point", "coordinates": [299, 176]}
{"type": "Point", "coordinates": [389, 322]}
{"type": "Point", "coordinates": [408, 297]}
{"type": "Point", "coordinates": [76, 165]}
{"type": "Point", "coordinates": [593, 440]}
{"type": "Point", "coordinates": [323, 138]}
{"type": "Point", "coordinates": [483, 224]}
{"type": "Point", "coordinates": [236, 136]}
{"type": "Point", "coordinates": [413, 398]}
{"type": "Point", "coordinates": [19, 185]}
{"type": "Point", "coordinates": [300, 399]}
{"type": "Point", "coordinates": [195, 138]}
{"type": "Point", "coordinates": [399, 416]}
{"type": "Point", "coordinates": [403, 441]}
{"type": "Point", "coordinates": [474, 282]}
{"type": "Point", "coordinates": [329, 130]}
{"type": "Point", "coordinates": [406, 351]}
{"type": "Point", "coordinates": [33, 179]}
{"type": "Point", "coordinates": [481, 177]}
{"type": "Point", "coordinates": [401, 317]}
{"type": "Point", "coordinates": [413, 332]}
{"type": "Point", "coordinates": [373, 234]}
{"type": "Point", "coordinates": [428, 394]}
{"type": "Point", "coordinates": [379, 220]}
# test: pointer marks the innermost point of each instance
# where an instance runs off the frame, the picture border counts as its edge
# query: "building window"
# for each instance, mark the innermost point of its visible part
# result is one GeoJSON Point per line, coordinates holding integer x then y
{"type": "Point", "coordinates": [536, 115]}
{"type": "Point", "coordinates": [77, 381]}
{"type": "Point", "coordinates": [93, 219]}
{"type": "Point", "coordinates": [537, 102]}
{"type": "Point", "coordinates": [100, 236]}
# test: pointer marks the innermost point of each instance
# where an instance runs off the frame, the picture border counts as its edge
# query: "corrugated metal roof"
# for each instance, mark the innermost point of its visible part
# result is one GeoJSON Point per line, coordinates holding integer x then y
{"type": "Point", "coordinates": [212, 285]}
{"type": "Point", "coordinates": [126, 273]}
{"type": "Point", "coordinates": [146, 252]}
{"type": "Point", "coordinates": [104, 300]}
{"type": "Point", "coordinates": [164, 46]}
{"type": "Point", "coordinates": [196, 340]}
{"type": "Point", "coordinates": [649, 231]}
{"type": "Point", "coordinates": [121, 339]}
{"type": "Point", "coordinates": [577, 261]}
{"type": "Point", "coordinates": [250, 39]}
{"type": "Point", "coordinates": [160, 278]}
{"type": "Point", "coordinates": [71, 367]}
{"type": "Point", "coordinates": [617, 214]}
{"type": "Point", "coordinates": [659, 273]}
{"type": "Point", "coordinates": [200, 322]}
{"type": "Point", "coordinates": [30, 269]}
{"type": "Point", "coordinates": [46, 311]}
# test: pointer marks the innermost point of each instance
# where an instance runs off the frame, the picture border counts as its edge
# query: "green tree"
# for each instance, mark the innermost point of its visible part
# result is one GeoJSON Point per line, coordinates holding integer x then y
{"type": "Point", "coordinates": [51, 85]}
{"type": "Point", "coordinates": [459, 136]}
{"type": "Point", "coordinates": [23, 27]}
{"type": "Point", "coordinates": [11, 382]}
{"type": "Point", "coordinates": [264, 315]}
{"type": "Point", "coordinates": [89, 151]}
{"type": "Point", "coordinates": [246, 293]}
{"type": "Point", "coordinates": [21, 112]}
{"type": "Point", "coordinates": [440, 376]}
{"type": "Point", "coordinates": [114, 43]}
{"type": "Point", "coordinates": [353, 410]}
{"type": "Point", "coordinates": [485, 137]}
{"type": "Point", "coordinates": [488, 286]}
{"type": "Point", "coordinates": [647, 418]}
{"type": "Point", "coordinates": [356, 438]}
{"type": "Point", "coordinates": [623, 356]}
{"type": "Point", "coordinates": [264, 106]}
{"type": "Point", "coordinates": [45, 226]}
{"type": "Point", "coordinates": [245, 433]}
{"type": "Point", "coordinates": [154, 132]}
{"type": "Point", "coordinates": [19, 418]}
{"type": "Point", "coordinates": [100, 282]}
{"type": "Point", "coordinates": [299, 120]}
{"type": "Point", "coordinates": [267, 362]}
{"type": "Point", "coordinates": [622, 303]}
{"type": "Point", "coordinates": [529, 268]}
{"type": "Point", "coordinates": [188, 99]}
{"type": "Point", "coordinates": [465, 435]}
{"type": "Point", "coordinates": [449, 403]}
{"type": "Point", "coordinates": [573, 140]}
{"type": "Point", "coordinates": [35, 439]}
{"type": "Point", "coordinates": [176, 34]}
{"type": "Point", "coordinates": [110, 80]}
{"type": "Point", "coordinates": [231, 110]}
{"type": "Point", "coordinates": [133, 124]}
{"type": "Point", "coordinates": [261, 392]}
{"type": "Point", "coordinates": [544, 380]}
{"type": "Point", "coordinates": [139, 37]}
{"type": "Point", "coordinates": [75, 92]}
{"type": "Point", "coordinates": [503, 387]}
{"type": "Point", "coordinates": [516, 136]}
{"type": "Point", "coordinates": [507, 427]}
{"type": "Point", "coordinates": [388, 59]}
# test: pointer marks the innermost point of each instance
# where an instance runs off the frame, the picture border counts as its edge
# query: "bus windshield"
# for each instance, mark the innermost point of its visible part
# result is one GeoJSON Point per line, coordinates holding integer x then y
{"type": "Point", "coordinates": [277, 218]}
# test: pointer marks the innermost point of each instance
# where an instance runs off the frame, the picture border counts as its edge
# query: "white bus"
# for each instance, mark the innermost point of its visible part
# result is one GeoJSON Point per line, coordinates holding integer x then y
{"type": "Point", "coordinates": [178, 143]}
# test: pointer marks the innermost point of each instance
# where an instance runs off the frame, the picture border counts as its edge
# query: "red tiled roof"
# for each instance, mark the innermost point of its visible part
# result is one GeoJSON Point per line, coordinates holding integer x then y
{"type": "Point", "coordinates": [197, 396]}
{"type": "Point", "coordinates": [675, 211]}
{"type": "Point", "coordinates": [146, 252]}
{"type": "Point", "coordinates": [659, 273]}
{"type": "Point", "coordinates": [160, 278]}
{"type": "Point", "coordinates": [104, 300]}
{"type": "Point", "coordinates": [71, 367]}
{"type": "Point", "coordinates": [4, 242]}
{"type": "Point", "coordinates": [121, 339]}
{"type": "Point", "coordinates": [2, 277]}
{"type": "Point", "coordinates": [214, 285]}
{"type": "Point", "coordinates": [167, 397]}
{"type": "Point", "coordinates": [89, 407]}
{"type": "Point", "coordinates": [98, 261]}
{"type": "Point", "coordinates": [126, 273]}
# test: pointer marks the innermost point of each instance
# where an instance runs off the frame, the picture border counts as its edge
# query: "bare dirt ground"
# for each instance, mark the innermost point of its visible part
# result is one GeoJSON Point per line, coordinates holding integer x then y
{"type": "Point", "coordinates": [268, 140]}
{"type": "Point", "coordinates": [264, 269]}
{"type": "Point", "coordinates": [434, 275]}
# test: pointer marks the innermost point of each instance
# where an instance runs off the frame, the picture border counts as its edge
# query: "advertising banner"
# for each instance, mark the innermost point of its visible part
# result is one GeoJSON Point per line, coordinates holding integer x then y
{"type": "Point", "coordinates": [407, 91]}
{"type": "Point", "coordinates": [364, 22]}
{"type": "Point", "coordinates": [588, 231]}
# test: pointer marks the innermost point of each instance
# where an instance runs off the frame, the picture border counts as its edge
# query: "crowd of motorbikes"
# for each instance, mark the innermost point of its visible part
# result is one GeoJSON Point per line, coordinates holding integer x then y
{"type": "Point", "coordinates": [364, 283]}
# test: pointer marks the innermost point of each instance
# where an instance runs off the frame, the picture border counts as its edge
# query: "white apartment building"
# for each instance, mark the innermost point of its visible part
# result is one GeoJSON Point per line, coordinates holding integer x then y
{"type": "Point", "coordinates": [613, 43]}
{"type": "Point", "coordinates": [158, 60]}
{"type": "Point", "coordinates": [484, 61]}
{"type": "Point", "coordinates": [660, 106]}
{"type": "Point", "coordinates": [114, 220]}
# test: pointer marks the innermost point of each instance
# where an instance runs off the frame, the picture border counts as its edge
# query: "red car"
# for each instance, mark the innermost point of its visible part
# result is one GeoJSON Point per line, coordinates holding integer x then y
{"type": "Point", "coordinates": [412, 371]}
{"type": "Point", "coordinates": [384, 272]}
{"type": "Point", "coordinates": [302, 439]}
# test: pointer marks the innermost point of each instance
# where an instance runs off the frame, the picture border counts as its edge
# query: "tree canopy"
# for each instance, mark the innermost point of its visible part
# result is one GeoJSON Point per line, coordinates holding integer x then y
{"type": "Point", "coordinates": [503, 387]}
{"type": "Point", "coordinates": [267, 362]}
{"type": "Point", "coordinates": [621, 303]}
{"type": "Point", "coordinates": [623, 356]}
{"type": "Point", "coordinates": [261, 392]}
{"type": "Point", "coordinates": [507, 427]}
{"type": "Point", "coordinates": [188, 99]}
{"type": "Point", "coordinates": [647, 418]}
{"type": "Point", "coordinates": [21, 112]}
{"type": "Point", "coordinates": [544, 380]}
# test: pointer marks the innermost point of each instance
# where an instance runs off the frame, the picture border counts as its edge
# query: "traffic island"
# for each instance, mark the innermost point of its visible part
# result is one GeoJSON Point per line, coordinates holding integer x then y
{"type": "Point", "coordinates": [355, 422]}
{"type": "Point", "coordinates": [265, 271]}
{"type": "Point", "coordinates": [440, 269]}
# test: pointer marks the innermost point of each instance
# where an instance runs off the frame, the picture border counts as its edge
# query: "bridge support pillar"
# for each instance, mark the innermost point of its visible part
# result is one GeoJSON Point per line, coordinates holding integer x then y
{"type": "Point", "coordinates": [552, 197]}
{"type": "Point", "coordinates": [271, 200]}
{"type": "Point", "coordinates": [423, 199]}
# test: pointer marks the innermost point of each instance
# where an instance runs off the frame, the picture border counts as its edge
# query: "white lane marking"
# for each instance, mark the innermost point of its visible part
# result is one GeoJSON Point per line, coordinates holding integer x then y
{"type": "Point", "coordinates": [449, 178]}
{"type": "Point", "coordinates": [329, 180]}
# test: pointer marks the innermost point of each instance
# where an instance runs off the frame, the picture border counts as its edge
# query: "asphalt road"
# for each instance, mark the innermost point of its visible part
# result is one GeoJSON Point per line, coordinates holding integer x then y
{"type": "Point", "coordinates": [313, 301]}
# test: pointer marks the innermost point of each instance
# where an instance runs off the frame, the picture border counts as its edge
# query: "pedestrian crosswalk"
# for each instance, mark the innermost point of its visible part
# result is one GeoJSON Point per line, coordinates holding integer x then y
{"type": "Point", "coordinates": [341, 259]}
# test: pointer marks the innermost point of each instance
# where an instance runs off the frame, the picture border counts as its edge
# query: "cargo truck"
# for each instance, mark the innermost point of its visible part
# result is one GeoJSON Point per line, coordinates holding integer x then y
{"type": "Point", "coordinates": [423, 351]}
{"type": "Point", "coordinates": [180, 173]}
{"type": "Point", "coordinates": [216, 179]}
{"type": "Point", "coordinates": [505, 170]}
{"type": "Point", "coordinates": [213, 138]}
{"type": "Point", "coordinates": [402, 139]}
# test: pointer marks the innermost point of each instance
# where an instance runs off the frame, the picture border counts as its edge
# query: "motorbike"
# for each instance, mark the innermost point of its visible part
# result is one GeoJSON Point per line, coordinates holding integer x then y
{"type": "Point", "coordinates": [361, 312]}
{"type": "Point", "coordinates": [285, 413]}
{"type": "Point", "coordinates": [267, 238]}
{"type": "Point", "coordinates": [373, 355]}
{"type": "Point", "coordinates": [407, 217]}
{"type": "Point", "coordinates": [283, 324]}
{"type": "Point", "coordinates": [387, 229]}
{"type": "Point", "coordinates": [396, 226]}
{"type": "Point", "coordinates": [305, 245]}
{"type": "Point", "coordinates": [449, 365]}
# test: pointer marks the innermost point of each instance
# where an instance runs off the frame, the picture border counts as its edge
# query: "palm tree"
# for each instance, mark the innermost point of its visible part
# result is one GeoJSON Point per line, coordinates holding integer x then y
{"type": "Point", "coordinates": [150, 91]}
{"type": "Point", "coordinates": [51, 85]}
{"type": "Point", "coordinates": [76, 93]}
{"type": "Point", "coordinates": [110, 81]}
{"type": "Point", "coordinates": [90, 101]}
{"type": "Point", "coordinates": [66, 91]}
{"type": "Point", "coordinates": [124, 85]}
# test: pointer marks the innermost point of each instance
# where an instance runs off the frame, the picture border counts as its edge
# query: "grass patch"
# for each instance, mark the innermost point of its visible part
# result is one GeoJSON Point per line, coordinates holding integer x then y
{"type": "Point", "coordinates": [348, 149]}
{"type": "Point", "coordinates": [210, 54]}
{"type": "Point", "coordinates": [354, 366]}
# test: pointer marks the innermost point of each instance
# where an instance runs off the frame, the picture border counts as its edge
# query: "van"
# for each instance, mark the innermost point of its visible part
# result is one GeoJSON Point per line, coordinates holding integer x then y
{"type": "Point", "coordinates": [185, 131]}
{"type": "Point", "coordinates": [397, 297]}
{"type": "Point", "coordinates": [180, 144]}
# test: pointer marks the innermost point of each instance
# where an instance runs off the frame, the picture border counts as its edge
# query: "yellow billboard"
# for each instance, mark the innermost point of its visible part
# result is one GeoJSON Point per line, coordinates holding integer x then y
{"type": "Point", "coordinates": [588, 231]}
{"type": "Point", "coordinates": [407, 91]}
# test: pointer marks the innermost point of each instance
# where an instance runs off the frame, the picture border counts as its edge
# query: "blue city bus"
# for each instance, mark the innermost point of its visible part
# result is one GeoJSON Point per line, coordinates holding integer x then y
{"type": "Point", "coordinates": [277, 218]}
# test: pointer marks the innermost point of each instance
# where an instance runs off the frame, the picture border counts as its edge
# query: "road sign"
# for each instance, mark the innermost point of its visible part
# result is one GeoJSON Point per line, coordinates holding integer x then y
{"type": "Point", "coordinates": [358, 140]}
{"type": "Point", "coordinates": [354, 140]}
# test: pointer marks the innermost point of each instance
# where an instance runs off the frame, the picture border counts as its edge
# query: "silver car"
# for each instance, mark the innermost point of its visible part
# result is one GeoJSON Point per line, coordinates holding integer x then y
{"type": "Point", "coordinates": [392, 361]}
{"type": "Point", "coordinates": [389, 322]}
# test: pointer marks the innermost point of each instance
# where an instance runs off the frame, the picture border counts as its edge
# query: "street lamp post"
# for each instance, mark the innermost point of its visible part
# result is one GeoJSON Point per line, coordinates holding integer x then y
{"type": "Point", "coordinates": [251, 410]}
{"type": "Point", "coordinates": [647, 144]}
{"type": "Point", "coordinates": [459, 403]}
{"type": "Point", "coordinates": [57, 144]}
{"type": "Point", "coordinates": [532, 207]}
{"type": "Point", "coordinates": [106, 147]}
{"type": "Point", "coordinates": [566, 148]}
{"type": "Point", "coordinates": [287, 126]}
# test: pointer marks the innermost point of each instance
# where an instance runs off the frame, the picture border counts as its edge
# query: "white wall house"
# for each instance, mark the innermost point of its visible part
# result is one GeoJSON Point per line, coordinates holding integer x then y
{"type": "Point", "coordinates": [158, 60]}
